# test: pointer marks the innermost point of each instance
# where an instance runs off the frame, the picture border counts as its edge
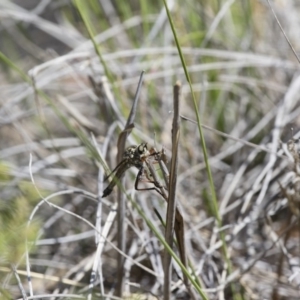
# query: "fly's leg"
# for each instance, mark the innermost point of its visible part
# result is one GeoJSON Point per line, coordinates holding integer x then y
{"type": "Point", "coordinates": [139, 179]}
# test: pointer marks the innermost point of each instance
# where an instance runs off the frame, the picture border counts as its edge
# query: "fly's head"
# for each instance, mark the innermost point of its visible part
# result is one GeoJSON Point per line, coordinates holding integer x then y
{"type": "Point", "coordinates": [136, 155]}
{"type": "Point", "coordinates": [142, 151]}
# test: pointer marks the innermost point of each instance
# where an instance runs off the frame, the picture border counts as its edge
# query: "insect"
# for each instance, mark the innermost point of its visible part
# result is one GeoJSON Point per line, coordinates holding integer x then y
{"type": "Point", "coordinates": [134, 156]}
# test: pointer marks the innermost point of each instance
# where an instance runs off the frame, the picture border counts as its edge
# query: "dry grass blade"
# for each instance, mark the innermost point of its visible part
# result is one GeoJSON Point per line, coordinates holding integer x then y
{"type": "Point", "coordinates": [77, 115]}
{"type": "Point", "coordinates": [287, 39]}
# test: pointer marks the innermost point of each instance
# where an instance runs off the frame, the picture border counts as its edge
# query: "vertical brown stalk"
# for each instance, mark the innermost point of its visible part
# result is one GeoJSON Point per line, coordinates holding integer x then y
{"type": "Point", "coordinates": [174, 219]}
{"type": "Point", "coordinates": [171, 208]}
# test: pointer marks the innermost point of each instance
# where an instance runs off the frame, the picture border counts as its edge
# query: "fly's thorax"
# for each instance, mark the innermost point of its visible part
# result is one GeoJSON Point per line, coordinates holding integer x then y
{"type": "Point", "coordinates": [129, 152]}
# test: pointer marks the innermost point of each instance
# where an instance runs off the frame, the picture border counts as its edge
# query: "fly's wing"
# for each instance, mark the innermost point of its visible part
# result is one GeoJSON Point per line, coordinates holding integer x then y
{"type": "Point", "coordinates": [119, 171]}
{"type": "Point", "coordinates": [119, 165]}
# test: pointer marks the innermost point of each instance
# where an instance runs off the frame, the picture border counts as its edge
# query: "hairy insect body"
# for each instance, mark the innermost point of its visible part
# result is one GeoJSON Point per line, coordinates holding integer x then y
{"type": "Point", "coordinates": [134, 156]}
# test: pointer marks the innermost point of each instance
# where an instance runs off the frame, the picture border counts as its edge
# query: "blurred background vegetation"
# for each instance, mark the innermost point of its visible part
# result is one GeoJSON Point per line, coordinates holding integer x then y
{"type": "Point", "coordinates": [58, 91]}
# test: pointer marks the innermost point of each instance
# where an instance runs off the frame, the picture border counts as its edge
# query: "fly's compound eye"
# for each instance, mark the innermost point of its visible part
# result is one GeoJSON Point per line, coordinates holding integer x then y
{"type": "Point", "coordinates": [142, 148]}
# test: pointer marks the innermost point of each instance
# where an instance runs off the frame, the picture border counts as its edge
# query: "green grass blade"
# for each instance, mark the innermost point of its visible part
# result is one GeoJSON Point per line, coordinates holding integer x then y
{"type": "Point", "coordinates": [203, 144]}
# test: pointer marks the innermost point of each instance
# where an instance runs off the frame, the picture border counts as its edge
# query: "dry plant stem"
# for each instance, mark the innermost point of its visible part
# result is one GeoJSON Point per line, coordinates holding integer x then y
{"type": "Point", "coordinates": [97, 262]}
{"type": "Point", "coordinates": [171, 206]}
{"type": "Point", "coordinates": [162, 164]}
{"type": "Point", "coordinates": [180, 237]}
{"type": "Point", "coordinates": [174, 219]}
{"type": "Point", "coordinates": [121, 197]}
{"type": "Point", "coordinates": [179, 224]}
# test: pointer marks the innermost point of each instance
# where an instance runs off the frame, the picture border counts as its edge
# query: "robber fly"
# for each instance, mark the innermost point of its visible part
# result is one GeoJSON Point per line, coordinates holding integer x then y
{"type": "Point", "coordinates": [134, 156]}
